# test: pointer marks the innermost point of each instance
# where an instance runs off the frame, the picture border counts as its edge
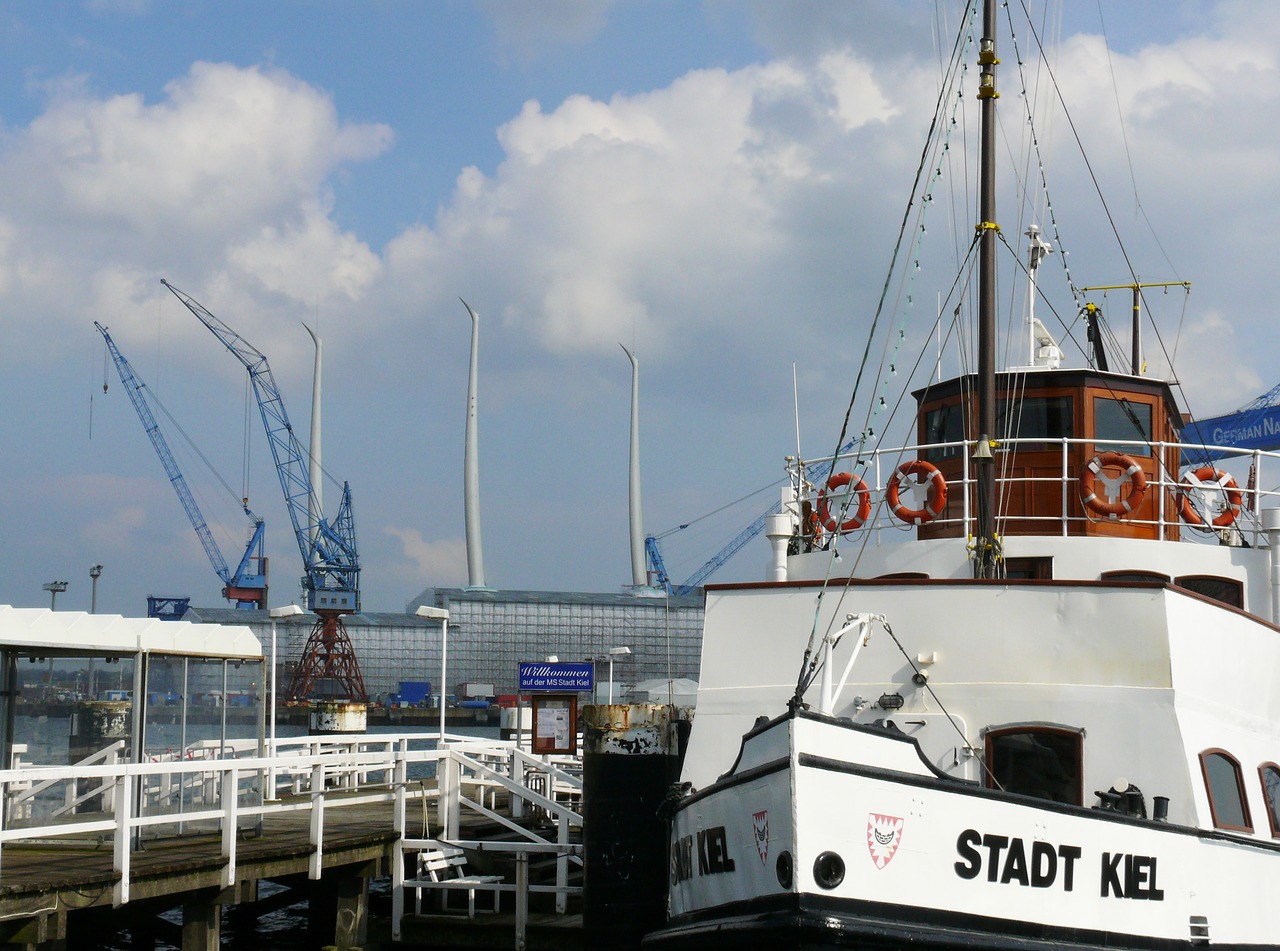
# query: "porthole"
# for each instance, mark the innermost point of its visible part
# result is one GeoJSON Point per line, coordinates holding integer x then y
{"type": "Point", "coordinates": [828, 870]}
{"type": "Point", "coordinates": [784, 870]}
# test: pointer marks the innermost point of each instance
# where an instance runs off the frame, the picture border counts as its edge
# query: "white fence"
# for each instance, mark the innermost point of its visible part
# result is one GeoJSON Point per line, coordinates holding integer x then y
{"type": "Point", "coordinates": [105, 799]}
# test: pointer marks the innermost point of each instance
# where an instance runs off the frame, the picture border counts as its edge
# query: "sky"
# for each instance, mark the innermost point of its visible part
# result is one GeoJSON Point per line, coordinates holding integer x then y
{"type": "Point", "coordinates": [716, 185]}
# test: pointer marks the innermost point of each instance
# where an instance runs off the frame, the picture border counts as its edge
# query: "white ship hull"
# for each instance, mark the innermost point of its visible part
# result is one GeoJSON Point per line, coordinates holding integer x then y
{"type": "Point", "coordinates": [932, 861]}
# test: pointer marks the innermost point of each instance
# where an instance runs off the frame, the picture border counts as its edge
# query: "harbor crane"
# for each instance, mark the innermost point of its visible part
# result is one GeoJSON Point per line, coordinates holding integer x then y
{"type": "Point", "coordinates": [247, 585]}
{"type": "Point", "coordinates": [653, 551]}
{"type": "Point", "coordinates": [331, 564]}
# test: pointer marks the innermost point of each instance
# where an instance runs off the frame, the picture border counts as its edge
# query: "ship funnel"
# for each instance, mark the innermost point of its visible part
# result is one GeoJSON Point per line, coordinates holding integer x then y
{"type": "Point", "coordinates": [471, 465]}
{"type": "Point", "coordinates": [639, 577]}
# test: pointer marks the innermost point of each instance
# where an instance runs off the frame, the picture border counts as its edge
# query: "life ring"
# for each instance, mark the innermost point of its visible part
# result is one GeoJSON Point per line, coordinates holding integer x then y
{"type": "Point", "coordinates": [1208, 475]}
{"type": "Point", "coordinates": [935, 500]}
{"type": "Point", "coordinates": [858, 519]}
{"type": "Point", "coordinates": [1127, 503]}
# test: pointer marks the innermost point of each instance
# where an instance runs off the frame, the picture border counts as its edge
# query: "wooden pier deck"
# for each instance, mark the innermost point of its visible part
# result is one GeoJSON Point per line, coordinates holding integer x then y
{"type": "Point", "coordinates": [43, 884]}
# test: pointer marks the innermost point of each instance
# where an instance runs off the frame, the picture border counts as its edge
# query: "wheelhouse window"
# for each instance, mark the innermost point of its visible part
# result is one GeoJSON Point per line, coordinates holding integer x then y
{"type": "Point", "coordinates": [1136, 574]}
{"type": "Point", "coordinates": [1223, 782]}
{"type": "Point", "coordinates": [1124, 420]}
{"type": "Point", "coordinates": [944, 424]}
{"type": "Point", "coordinates": [1035, 417]}
{"type": "Point", "coordinates": [1045, 762]}
{"type": "Point", "coordinates": [1227, 591]}
{"type": "Point", "coordinates": [1035, 569]}
{"type": "Point", "coordinates": [1270, 775]}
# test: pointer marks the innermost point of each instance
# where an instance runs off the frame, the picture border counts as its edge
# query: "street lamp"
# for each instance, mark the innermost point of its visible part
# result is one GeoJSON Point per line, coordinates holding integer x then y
{"type": "Point", "coordinates": [53, 587]}
{"type": "Point", "coordinates": [442, 615]}
{"type": "Point", "coordinates": [285, 610]}
{"type": "Point", "coordinates": [615, 652]}
{"type": "Point", "coordinates": [95, 573]}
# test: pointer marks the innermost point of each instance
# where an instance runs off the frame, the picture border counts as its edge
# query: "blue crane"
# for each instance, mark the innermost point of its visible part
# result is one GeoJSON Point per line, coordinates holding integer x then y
{"type": "Point", "coordinates": [247, 586]}
{"type": "Point", "coordinates": [658, 568]}
{"type": "Point", "coordinates": [330, 561]}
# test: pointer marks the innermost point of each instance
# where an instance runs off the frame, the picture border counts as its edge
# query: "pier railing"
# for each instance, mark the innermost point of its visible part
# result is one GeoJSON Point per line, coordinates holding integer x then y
{"type": "Point", "coordinates": [227, 789]}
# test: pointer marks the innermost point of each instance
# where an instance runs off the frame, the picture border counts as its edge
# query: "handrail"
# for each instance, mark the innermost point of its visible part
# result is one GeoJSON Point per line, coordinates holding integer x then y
{"type": "Point", "coordinates": [876, 467]}
{"type": "Point", "coordinates": [333, 773]}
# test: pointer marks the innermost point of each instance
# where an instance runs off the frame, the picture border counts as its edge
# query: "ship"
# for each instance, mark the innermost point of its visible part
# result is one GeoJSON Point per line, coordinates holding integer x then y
{"type": "Point", "coordinates": [1010, 685]}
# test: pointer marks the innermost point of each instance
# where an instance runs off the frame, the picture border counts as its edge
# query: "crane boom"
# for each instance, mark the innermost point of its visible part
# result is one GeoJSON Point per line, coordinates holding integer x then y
{"type": "Point", "coordinates": [658, 567]}
{"type": "Point", "coordinates": [329, 555]}
{"type": "Point", "coordinates": [247, 585]}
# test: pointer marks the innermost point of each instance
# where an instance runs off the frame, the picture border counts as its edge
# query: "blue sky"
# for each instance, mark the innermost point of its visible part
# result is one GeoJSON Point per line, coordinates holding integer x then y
{"type": "Point", "coordinates": [717, 184]}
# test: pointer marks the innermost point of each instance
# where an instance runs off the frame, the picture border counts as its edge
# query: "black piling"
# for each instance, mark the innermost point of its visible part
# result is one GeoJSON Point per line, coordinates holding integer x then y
{"type": "Point", "coordinates": [630, 759]}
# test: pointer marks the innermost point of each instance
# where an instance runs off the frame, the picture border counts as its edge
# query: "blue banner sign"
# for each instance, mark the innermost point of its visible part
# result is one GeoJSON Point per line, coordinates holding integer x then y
{"type": "Point", "coordinates": [548, 676]}
{"type": "Point", "coordinates": [1244, 431]}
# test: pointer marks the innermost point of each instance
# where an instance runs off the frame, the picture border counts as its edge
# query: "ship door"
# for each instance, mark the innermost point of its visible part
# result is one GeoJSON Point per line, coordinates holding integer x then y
{"type": "Point", "coordinates": [1041, 761]}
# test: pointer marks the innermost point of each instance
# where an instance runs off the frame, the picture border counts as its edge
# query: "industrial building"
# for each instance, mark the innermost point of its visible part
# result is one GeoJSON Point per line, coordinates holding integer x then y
{"type": "Point", "coordinates": [492, 631]}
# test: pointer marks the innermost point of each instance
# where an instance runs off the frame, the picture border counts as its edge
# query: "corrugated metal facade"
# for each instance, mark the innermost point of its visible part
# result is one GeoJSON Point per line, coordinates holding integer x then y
{"type": "Point", "coordinates": [491, 631]}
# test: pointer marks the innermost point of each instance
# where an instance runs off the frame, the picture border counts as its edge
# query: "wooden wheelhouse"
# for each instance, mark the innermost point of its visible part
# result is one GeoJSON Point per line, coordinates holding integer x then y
{"type": "Point", "coordinates": [1053, 423]}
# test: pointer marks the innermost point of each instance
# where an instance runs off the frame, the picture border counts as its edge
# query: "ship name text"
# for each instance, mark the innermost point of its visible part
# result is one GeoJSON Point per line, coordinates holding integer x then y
{"type": "Point", "coordinates": [1007, 860]}
{"type": "Point", "coordinates": [713, 855]}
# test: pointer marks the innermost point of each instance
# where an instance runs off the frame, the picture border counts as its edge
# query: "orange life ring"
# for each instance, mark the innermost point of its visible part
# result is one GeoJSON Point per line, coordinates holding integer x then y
{"type": "Point", "coordinates": [859, 518]}
{"type": "Point", "coordinates": [1127, 503]}
{"type": "Point", "coordinates": [1208, 475]}
{"type": "Point", "coordinates": [935, 500]}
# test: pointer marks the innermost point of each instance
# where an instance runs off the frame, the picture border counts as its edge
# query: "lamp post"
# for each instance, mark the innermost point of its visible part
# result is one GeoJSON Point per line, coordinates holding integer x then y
{"type": "Point", "coordinates": [95, 572]}
{"type": "Point", "coordinates": [286, 610]}
{"type": "Point", "coordinates": [442, 615]}
{"type": "Point", "coordinates": [615, 652]}
{"type": "Point", "coordinates": [53, 587]}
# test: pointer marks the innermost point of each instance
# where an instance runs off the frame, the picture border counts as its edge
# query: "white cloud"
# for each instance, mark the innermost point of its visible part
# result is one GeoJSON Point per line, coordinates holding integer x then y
{"type": "Point", "coordinates": [441, 563]}
{"type": "Point", "coordinates": [226, 175]}
{"type": "Point", "coordinates": [530, 30]}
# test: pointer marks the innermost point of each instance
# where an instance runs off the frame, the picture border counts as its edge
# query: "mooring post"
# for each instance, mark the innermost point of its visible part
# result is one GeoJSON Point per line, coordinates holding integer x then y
{"type": "Point", "coordinates": [630, 758]}
{"type": "Point", "coordinates": [202, 920]}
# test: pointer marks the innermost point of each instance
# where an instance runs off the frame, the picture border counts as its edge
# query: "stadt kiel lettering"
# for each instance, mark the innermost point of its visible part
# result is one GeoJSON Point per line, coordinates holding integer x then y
{"type": "Point", "coordinates": [998, 859]}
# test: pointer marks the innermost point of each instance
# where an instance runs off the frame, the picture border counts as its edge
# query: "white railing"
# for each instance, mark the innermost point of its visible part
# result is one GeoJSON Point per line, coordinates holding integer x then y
{"type": "Point", "coordinates": [876, 468]}
{"type": "Point", "coordinates": [470, 775]}
{"type": "Point", "coordinates": [125, 802]}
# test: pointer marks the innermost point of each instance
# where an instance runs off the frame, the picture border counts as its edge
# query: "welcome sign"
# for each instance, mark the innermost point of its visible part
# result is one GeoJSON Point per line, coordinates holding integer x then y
{"type": "Point", "coordinates": [558, 676]}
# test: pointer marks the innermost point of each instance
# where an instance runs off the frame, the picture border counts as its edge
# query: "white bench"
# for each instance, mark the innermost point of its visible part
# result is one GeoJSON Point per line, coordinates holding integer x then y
{"type": "Point", "coordinates": [442, 868]}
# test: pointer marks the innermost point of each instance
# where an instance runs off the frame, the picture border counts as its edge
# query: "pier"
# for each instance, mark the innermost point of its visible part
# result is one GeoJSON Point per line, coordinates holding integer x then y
{"type": "Point", "coordinates": [206, 828]}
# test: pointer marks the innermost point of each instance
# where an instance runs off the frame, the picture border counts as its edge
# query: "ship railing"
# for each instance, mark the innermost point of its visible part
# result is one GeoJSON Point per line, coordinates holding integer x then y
{"type": "Point", "coordinates": [1166, 483]}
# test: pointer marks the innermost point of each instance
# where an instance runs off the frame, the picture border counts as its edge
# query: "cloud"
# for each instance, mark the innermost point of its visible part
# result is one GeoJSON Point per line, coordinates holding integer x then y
{"type": "Point", "coordinates": [530, 31]}
{"type": "Point", "coordinates": [225, 178]}
{"type": "Point", "coordinates": [441, 563]}
{"type": "Point", "coordinates": [662, 215]}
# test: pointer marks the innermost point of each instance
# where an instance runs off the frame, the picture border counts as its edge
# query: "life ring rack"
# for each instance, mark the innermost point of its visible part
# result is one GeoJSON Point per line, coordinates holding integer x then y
{"type": "Point", "coordinates": [1209, 476]}
{"type": "Point", "coordinates": [858, 519]}
{"type": "Point", "coordinates": [1128, 503]}
{"type": "Point", "coordinates": [935, 502]}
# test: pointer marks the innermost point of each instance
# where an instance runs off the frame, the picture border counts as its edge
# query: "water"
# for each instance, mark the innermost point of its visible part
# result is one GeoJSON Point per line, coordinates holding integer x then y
{"type": "Point", "coordinates": [282, 930]}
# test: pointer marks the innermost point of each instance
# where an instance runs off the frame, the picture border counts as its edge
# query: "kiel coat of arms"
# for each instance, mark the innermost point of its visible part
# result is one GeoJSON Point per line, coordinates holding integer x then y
{"type": "Point", "coordinates": [760, 826]}
{"type": "Point", "coordinates": [884, 835]}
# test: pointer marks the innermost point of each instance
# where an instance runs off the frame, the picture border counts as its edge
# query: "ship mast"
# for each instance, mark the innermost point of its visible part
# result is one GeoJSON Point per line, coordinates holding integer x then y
{"type": "Point", "coordinates": [986, 551]}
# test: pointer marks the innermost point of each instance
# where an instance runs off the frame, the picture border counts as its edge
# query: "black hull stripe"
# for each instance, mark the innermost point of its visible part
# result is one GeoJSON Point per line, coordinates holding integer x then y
{"type": "Point", "coordinates": [966, 789]}
{"type": "Point", "coordinates": [814, 922]}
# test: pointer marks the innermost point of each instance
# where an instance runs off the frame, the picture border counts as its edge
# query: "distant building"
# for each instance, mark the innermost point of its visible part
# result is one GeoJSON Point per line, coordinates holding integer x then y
{"type": "Point", "coordinates": [492, 631]}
